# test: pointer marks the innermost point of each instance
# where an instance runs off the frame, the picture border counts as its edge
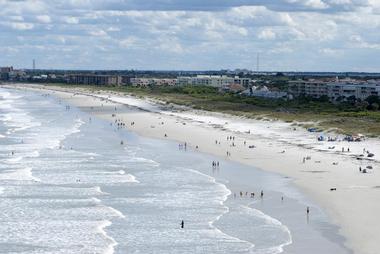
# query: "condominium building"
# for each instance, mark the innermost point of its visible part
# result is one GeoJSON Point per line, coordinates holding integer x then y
{"type": "Point", "coordinates": [153, 82]}
{"type": "Point", "coordinates": [313, 88]}
{"type": "Point", "coordinates": [213, 80]}
{"type": "Point", "coordinates": [358, 90]}
{"type": "Point", "coordinates": [94, 79]}
{"type": "Point", "coordinates": [334, 90]}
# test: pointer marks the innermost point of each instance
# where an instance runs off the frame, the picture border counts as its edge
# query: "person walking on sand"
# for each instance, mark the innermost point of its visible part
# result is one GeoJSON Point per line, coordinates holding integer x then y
{"type": "Point", "coordinates": [182, 224]}
{"type": "Point", "coordinates": [262, 194]}
{"type": "Point", "coordinates": [307, 210]}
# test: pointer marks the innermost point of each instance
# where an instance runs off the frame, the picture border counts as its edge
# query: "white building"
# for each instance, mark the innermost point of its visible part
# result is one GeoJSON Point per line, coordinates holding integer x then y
{"type": "Point", "coordinates": [313, 88]}
{"type": "Point", "coordinates": [335, 89]}
{"type": "Point", "coordinates": [347, 89]}
{"type": "Point", "coordinates": [153, 82]}
{"type": "Point", "coordinates": [213, 80]}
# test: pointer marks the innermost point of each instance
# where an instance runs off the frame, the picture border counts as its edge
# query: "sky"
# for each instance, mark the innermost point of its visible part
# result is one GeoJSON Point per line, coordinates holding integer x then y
{"type": "Point", "coordinates": [288, 35]}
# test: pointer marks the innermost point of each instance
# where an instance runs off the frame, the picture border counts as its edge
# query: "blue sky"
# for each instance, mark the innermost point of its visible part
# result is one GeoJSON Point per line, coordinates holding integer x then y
{"type": "Point", "coordinates": [298, 35]}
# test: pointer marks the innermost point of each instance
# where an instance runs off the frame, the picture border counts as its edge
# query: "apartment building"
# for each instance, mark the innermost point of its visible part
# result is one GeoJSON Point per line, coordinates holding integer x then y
{"type": "Point", "coordinates": [335, 90]}
{"type": "Point", "coordinates": [313, 88]}
{"type": "Point", "coordinates": [349, 89]}
{"type": "Point", "coordinates": [94, 79]}
{"type": "Point", "coordinates": [153, 82]}
{"type": "Point", "coordinates": [213, 80]}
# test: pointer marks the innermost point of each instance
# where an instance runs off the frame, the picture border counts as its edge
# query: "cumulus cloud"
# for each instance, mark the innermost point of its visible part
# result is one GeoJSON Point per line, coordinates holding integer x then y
{"type": "Point", "coordinates": [70, 20]}
{"type": "Point", "coordinates": [99, 33]}
{"type": "Point", "coordinates": [43, 18]}
{"type": "Point", "coordinates": [195, 34]}
{"type": "Point", "coordinates": [267, 34]}
{"type": "Point", "coordinates": [21, 26]}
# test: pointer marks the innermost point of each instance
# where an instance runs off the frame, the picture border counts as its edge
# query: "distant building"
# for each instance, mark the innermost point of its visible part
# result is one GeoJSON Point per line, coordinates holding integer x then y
{"type": "Point", "coordinates": [335, 90]}
{"type": "Point", "coordinates": [219, 81]}
{"type": "Point", "coordinates": [264, 92]}
{"type": "Point", "coordinates": [153, 82]}
{"type": "Point", "coordinates": [312, 88]}
{"type": "Point", "coordinates": [234, 88]}
{"type": "Point", "coordinates": [94, 79]}
{"type": "Point", "coordinates": [344, 90]}
{"type": "Point", "coordinates": [5, 72]}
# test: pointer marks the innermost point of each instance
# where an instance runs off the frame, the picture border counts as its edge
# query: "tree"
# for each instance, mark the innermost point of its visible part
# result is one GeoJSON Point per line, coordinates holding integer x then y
{"type": "Point", "coordinates": [373, 99]}
{"type": "Point", "coordinates": [351, 99]}
{"type": "Point", "coordinates": [362, 105]}
{"type": "Point", "coordinates": [375, 106]}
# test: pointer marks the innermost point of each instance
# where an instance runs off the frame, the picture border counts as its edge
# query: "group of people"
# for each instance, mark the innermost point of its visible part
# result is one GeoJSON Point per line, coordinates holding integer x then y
{"type": "Point", "coordinates": [252, 194]}
{"type": "Point", "coordinates": [119, 123]}
{"type": "Point", "coordinates": [233, 144]}
{"type": "Point", "coordinates": [215, 164]}
{"type": "Point", "coordinates": [182, 146]}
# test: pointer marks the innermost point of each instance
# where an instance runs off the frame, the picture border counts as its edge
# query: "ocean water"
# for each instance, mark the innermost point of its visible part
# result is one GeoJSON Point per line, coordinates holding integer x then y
{"type": "Point", "coordinates": [68, 185]}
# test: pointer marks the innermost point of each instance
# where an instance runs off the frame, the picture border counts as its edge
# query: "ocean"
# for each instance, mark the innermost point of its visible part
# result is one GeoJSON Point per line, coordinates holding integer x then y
{"type": "Point", "coordinates": [72, 183]}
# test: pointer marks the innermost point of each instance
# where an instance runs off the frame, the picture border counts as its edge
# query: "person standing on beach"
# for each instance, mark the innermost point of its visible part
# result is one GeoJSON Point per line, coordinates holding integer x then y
{"type": "Point", "coordinates": [182, 224]}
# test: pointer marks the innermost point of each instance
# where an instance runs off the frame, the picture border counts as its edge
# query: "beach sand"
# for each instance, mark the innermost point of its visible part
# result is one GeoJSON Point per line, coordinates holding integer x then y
{"type": "Point", "coordinates": [278, 148]}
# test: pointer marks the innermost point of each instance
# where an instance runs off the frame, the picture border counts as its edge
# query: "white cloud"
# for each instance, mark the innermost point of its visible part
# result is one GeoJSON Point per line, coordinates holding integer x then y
{"type": "Point", "coordinates": [43, 18]}
{"type": "Point", "coordinates": [71, 20]}
{"type": "Point", "coordinates": [113, 29]}
{"type": "Point", "coordinates": [197, 34]}
{"type": "Point", "coordinates": [316, 4]}
{"type": "Point", "coordinates": [331, 52]}
{"type": "Point", "coordinates": [267, 34]}
{"type": "Point", "coordinates": [99, 33]}
{"type": "Point", "coordinates": [128, 42]}
{"type": "Point", "coordinates": [21, 26]}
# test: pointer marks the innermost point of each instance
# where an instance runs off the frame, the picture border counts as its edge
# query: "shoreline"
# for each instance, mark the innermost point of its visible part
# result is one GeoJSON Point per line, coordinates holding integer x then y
{"type": "Point", "coordinates": [315, 177]}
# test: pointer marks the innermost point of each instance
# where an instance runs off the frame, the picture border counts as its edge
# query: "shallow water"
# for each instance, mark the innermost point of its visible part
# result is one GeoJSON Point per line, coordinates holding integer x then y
{"type": "Point", "coordinates": [71, 187]}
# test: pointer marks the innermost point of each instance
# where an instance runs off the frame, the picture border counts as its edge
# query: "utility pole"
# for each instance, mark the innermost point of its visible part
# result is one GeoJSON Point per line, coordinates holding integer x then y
{"type": "Point", "coordinates": [34, 65]}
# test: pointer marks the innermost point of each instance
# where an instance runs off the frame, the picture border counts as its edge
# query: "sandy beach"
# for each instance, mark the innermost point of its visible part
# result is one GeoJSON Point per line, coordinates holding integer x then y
{"type": "Point", "coordinates": [327, 172]}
